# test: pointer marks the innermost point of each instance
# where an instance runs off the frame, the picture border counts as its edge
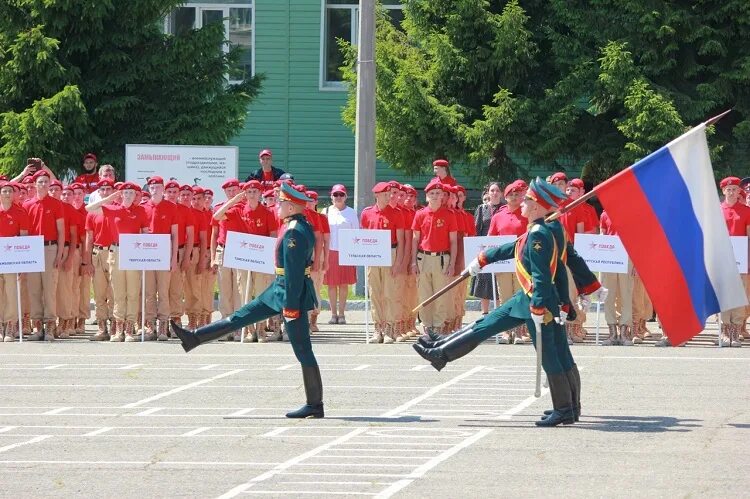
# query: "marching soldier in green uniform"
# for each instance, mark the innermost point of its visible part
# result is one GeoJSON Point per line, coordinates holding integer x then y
{"type": "Point", "coordinates": [537, 303]}
{"type": "Point", "coordinates": [291, 294]}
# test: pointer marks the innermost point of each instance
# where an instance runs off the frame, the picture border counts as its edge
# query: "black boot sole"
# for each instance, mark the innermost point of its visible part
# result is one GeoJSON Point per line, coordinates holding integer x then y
{"type": "Point", "coordinates": [187, 339]}
{"type": "Point", "coordinates": [437, 364]}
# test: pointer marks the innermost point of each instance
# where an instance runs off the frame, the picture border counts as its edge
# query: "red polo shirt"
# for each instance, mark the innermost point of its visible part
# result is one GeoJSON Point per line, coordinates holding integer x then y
{"type": "Point", "coordinates": [737, 218]}
{"type": "Point", "coordinates": [259, 221]}
{"type": "Point", "coordinates": [386, 219]}
{"type": "Point", "coordinates": [73, 218]}
{"type": "Point", "coordinates": [471, 228]}
{"type": "Point", "coordinates": [100, 230]}
{"type": "Point", "coordinates": [89, 181]}
{"type": "Point", "coordinates": [184, 220]}
{"type": "Point", "coordinates": [161, 216]}
{"type": "Point", "coordinates": [434, 228]}
{"type": "Point", "coordinates": [200, 221]}
{"type": "Point", "coordinates": [508, 223]}
{"type": "Point", "coordinates": [233, 222]}
{"type": "Point", "coordinates": [314, 218]}
{"type": "Point", "coordinates": [606, 225]}
{"type": "Point", "coordinates": [13, 221]}
{"type": "Point", "coordinates": [125, 220]}
{"type": "Point", "coordinates": [43, 216]}
{"type": "Point", "coordinates": [207, 223]}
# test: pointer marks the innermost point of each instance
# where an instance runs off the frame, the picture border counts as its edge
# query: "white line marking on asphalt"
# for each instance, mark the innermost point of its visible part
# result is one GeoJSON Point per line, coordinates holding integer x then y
{"type": "Point", "coordinates": [432, 391]}
{"type": "Point", "coordinates": [129, 366]}
{"type": "Point", "coordinates": [55, 366]}
{"type": "Point", "coordinates": [361, 368]}
{"type": "Point", "coordinates": [181, 389]}
{"type": "Point", "coordinates": [241, 412]}
{"type": "Point", "coordinates": [420, 367]}
{"type": "Point", "coordinates": [56, 411]}
{"type": "Point", "coordinates": [101, 430]}
{"type": "Point", "coordinates": [208, 367]}
{"type": "Point", "coordinates": [6, 429]}
{"type": "Point", "coordinates": [163, 463]}
{"type": "Point", "coordinates": [308, 492]}
{"type": "Point", "coordinates": [27, 442]}
{"type": "Point", "coordinates": [148, 411]}
{"type": "Point", "coordinates": [277, 431]}
{"type": "Point", "coordinates": [291, 462]}
{"type": "Point", "coordinates": [285, 367]}
{"type": "Point", "coordinates": [195, 431]}
{"type": "Point", "coordinates": [420, 471]}
{"type": "Point", "coordinates": [525, 403]}
{"type": "Point", "coordinates": [393, 475]}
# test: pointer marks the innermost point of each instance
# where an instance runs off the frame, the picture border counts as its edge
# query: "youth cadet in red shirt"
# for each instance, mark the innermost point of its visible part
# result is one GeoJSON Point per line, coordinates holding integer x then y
{"type": "Point", "coordinates": [81, 282]}
{"type": "Point", "coordinates": [69, 278]}
{"type": "Point", "coordinates": [209, 276]}
{"type": "Point", "coordinates": [185, 243]}
{"type": "Point", "coordinates": [385, 293]}
{"type": "Point", "coordinates": [192, 198]}
{"type": "Point", "coordinates": [508, 221]}
{"type": "Point", "coordinates": [124, 216]}
{"type": "Point", "coordinates": [441, 169]}
{"type": "Point", "coordinates": [46, 218]}
{"type": "Point", "coordinates": [14, 221]}
{"type": "Point", "coordinates": [89, 179]}
{"type": "Point", "coordinates": [620, 297]}
{"type": "Point", "coordinates": [469, 230]}
{"type": "Point", "coordinates": [737, 217]}
{"type": "Point", "coordinates": [409, 279]}
{"type": "Point", "coordinates": [434, 248]}
{"type": "Point", "coordinates": [400, 329]}
{"type": "Point", "coordinates": [324, 231]}
{"type": "Point", "coordinates": [162, 219]}
{"type": "Point", "coordinates": [98, 245]}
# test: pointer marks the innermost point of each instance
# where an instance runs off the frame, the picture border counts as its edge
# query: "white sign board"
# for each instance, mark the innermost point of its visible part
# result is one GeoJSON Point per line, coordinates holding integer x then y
{"type": "Point", "coordinates": [739, 245]}
{"type": "Point", "coordinates": [474, 245]}
{"type": "Point", "coordinates": [366, 247]}
{"type": "Point", "coordinates": [145, 252]}
{"type": "Point", "coordinates": [250, 252]}
{"type": "Point", "coordinates": [602, 253]}
{"type": "Point", "coordinates": [21, 254]}
{"type": "Point", "coordinates": [207, 166]}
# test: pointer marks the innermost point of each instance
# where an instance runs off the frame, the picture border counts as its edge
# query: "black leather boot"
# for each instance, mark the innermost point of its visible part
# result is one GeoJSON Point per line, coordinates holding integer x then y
{"type": "Point", "coordinates": [432, 339]}
{"type": "Point", "coordinates": [209, 332]}
{"type": "Point", "coordinates": [574, 381]}
{"type": "Point", "coordinates": [455, 347]}
{"type": "Point", "coordinates": [314, 394]}
{"type": "Point", "coordinates": [562, 402]}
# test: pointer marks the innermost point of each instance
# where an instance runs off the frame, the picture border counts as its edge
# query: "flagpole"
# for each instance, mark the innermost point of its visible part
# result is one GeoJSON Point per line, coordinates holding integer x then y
{"type": "Point", "coordinates": [565, 209]}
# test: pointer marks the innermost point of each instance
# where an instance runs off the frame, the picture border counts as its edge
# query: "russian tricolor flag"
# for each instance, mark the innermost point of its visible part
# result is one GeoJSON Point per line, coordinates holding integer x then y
{"type": "Point", "coordinates": [666, 211]}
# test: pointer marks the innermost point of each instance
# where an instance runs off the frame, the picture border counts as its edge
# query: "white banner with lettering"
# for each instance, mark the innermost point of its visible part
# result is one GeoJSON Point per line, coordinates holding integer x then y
{"type": "Point", "coordinates": [367, 247]}
{"type": "Point", "coordinates": [250, 252]}
{"type": "Point", "coordinates": [473, 245]}
{"type": "Point", "coordinates": [739, 245]}
{"type": "Point", "coordinates": [207, 166]}
{"type": "Point", "coordinates": [145, 252]}
{"type": "Point", "coordinates": [602, 253]}
{"type": "Point", "coordinates": [21, 254]}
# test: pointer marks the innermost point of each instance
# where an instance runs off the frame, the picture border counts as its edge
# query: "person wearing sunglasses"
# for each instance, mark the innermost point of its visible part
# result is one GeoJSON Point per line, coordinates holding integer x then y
{"type": "Point", "coordinates": [338, 278]}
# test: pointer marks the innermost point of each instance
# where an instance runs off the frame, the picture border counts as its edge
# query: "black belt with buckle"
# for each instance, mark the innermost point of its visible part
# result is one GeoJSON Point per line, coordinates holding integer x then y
{"type": "Point", "coordinates": [50, 243]}
{"type": "Point", "coordinates": [394, 246]}
{"type": "Point", "coordinates": [434, 253]}
{"type": "Point", "coordinates": [100, 247]}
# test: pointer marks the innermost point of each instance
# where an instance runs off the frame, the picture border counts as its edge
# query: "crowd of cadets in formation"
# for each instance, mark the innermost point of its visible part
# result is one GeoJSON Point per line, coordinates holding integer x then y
{"type": "Point", "coordinates": [81, 250]}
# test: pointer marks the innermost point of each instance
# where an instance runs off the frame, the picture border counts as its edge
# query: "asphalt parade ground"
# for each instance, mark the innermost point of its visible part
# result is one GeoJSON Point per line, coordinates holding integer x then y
{"type": "Point", "coordinates": [84, 419]}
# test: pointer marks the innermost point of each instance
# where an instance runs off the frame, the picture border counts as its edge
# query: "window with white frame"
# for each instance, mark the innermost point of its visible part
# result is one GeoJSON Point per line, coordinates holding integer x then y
{"type": "Point", "coordinates": [341, 21]}
{"type": "Point", "coordinates": [236, 16]}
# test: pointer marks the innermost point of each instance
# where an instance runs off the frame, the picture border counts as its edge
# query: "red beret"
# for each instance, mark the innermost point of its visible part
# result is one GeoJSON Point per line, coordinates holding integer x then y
{"type": "Point", "coordinates": [155, 180]}
{"type": "Point", "coordinates": [105, 182]}
{"type": "Point", "coordinates": [68, 188]}
{"type": "Point", "coordinates": [232, 182]}
{"type": "Point", "coordinates": [89, 155]}
{"type": "Point", "coordinates": [29, 179]}
{"type": "Point", "coordinates": [76, 185]}
{"type": "Point", "coordinates": [727, 181]}
{"type": "Point", "coordinates": [186, 187]}
{"type": "Point", "coordinates": [16, 186]}
{"type": "Point", "coordinates": [252, 184]}
{"type": "Point", "coordinates": [55, 183]}
{"type": "Point", "coordinates": [577, 182]}
{"type": "Point", "coordinates": [556, 177]}
{"type": "Point", "coordinates": [516, 186]}
{"type": "Point", "coordinates": [197, 190]}
{"type": "Point", "coordinates": [129, 185]}
{"type": "Point", "coordinates": [392, 184]}
{"type": "Point", "coordinates": [269, 193]}
{"type": "Point", "coordinates": [208, 192]}
{"type": "Point", "coordinates": [40, 173]}
{"type": "Point", "coordinates": [312, 194]}
{"type": "Point", "coordinates": [299, 188]}
{"type": "Point", "coordinates": [441, 162]}
{"type": "Point", "coordinates": [172, 184]}
{"type": "Point", "coordinates": [265, 152]}
{"type": "Point", "coordinates": [460, 188]}
{"type": "Point", "coordinates": [118, 185]}
{"type": "Point", "coordinates": [435, 184]}
{"type": "Point", "coordinates": [381, 187]}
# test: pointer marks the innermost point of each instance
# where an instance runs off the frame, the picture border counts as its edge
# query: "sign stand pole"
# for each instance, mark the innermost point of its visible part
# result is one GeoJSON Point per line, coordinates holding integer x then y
{"type": "Point", "coordinates": [143, 306]}
{"type": "Point", "coordinates": [719, 335]}
{"type": "Point", "coordinates": [20, 316]}
{"type": "Point", "coordinates": [598, 317]}
{"type": "Point", "coordinates": [367, 308]}
{"type": "Point", "coordinates": [247, 296]}
{"type": "Point", "coordinates": [494, 301]}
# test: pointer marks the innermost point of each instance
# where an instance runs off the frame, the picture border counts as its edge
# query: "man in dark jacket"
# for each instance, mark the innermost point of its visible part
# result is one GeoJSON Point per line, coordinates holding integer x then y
{"type": "Point", "coordinates": [267, 174]}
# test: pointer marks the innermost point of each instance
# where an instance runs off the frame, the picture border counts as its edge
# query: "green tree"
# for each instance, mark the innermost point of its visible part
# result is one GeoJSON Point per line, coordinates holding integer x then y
{"type": "Point", "coordinates": [583, 86]}
{"type": "Point", "coordinates": [78, 76]}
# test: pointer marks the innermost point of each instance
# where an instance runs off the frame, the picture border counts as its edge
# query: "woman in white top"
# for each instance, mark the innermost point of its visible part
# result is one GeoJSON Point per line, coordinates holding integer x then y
{"type": "Point", "coordinates": [338, 278]}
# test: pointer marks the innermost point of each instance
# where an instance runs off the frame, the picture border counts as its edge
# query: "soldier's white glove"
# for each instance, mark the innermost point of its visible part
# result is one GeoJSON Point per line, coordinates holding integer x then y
{"type": "Point", "coordinates": [563, 316]}
{"type": "Point", "coordinates": [584, 302]}
{"type": "Point", "coordinates": [538, 319]}
{"type": "Point", "coordinates": [474, 267]}
{"type": "Point", "coordinates": [600, 294]}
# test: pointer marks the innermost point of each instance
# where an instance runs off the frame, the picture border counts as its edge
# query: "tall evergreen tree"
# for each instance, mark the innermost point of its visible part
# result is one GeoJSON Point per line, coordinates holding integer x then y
{"type": "Point", "coordinates": [78, 76]}
{"type": "Point", "coordinates": [575, 85]}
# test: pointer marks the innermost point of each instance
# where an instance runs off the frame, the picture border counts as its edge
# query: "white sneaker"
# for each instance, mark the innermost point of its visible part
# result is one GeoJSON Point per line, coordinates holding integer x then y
{"type": "Point", "coordinates": [376, 338]}
{"type": "Point", "coordinates": [129, 338]}
{"type": "Point", "coordinates": [519, 340]}
{"type": "Point", "coordinates": [387, 340]}
{"type": "Point", "coordinates": [504, 338]}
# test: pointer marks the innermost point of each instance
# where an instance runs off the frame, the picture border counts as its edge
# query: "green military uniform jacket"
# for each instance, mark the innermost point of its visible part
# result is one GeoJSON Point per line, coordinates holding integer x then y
{"type": "Point", "coordinates": [536, 252]}
{"type": "Point", "coordinates": [292, 292]}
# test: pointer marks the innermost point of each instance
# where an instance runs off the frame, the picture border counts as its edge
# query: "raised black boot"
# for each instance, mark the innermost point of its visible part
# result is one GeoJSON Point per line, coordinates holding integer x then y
{"type": "Point", "coordinates": [209, 332]}
{"type": "Point", "coordinates": [314, 394]}
{"type": "Point", "coordinates": [432, 339]}
{"type": "Point", "coordinates": [455, 347]}
{"type": "Point", "coordinates": [562, 401]}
